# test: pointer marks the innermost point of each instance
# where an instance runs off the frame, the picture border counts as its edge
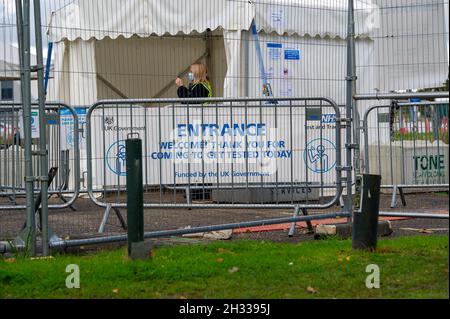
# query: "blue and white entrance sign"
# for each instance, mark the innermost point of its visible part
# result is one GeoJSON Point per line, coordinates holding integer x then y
{"type": "Point", "coordinates": [203, 144]}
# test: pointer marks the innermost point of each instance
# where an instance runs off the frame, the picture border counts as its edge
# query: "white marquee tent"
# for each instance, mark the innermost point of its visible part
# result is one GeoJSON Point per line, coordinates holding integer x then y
{"type": "Point", "coordinates": [111, 48]}
{"type": "Point", "coordinates": [136, 48]}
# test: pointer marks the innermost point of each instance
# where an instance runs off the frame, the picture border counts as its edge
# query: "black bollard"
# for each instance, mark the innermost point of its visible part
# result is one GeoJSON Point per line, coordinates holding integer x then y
{"type": "Point", "coordinates": [135, 199]}
{"type": "Point", "coordinates": [365, 217]}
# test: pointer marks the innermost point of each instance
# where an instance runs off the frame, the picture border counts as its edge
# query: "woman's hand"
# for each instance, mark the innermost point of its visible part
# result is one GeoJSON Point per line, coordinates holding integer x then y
{"type": "Point", "coordinates": [179, 82]}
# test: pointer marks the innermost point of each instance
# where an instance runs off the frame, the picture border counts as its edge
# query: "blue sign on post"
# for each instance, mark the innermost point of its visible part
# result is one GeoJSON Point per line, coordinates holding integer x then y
{"type": "Point", "coordinates": [292, 54]}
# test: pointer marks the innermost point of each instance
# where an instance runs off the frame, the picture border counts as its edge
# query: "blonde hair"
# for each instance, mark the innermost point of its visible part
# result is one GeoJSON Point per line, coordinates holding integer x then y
{"type": "Point", "coordinates": [200, 72]}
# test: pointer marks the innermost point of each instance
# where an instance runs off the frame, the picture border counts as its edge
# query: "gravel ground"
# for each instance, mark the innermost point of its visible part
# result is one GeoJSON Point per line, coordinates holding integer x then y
{"type": "Point", "coordinates": [84, 222]}
{"type": "Point", "coordinates": [407, 227]}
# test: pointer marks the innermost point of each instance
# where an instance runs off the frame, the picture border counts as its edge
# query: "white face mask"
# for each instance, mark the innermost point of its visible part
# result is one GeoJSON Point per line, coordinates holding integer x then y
{"type": "Point", "coordinates": [191, 76]}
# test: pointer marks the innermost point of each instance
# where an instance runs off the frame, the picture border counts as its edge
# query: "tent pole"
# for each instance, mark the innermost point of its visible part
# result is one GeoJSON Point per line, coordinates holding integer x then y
{"type": "Point", "coordinates": [208, 48]}
{"type": "Point", "coordinates": [170, 84]}
{"type": "Point", "coordinates": [48, 65]}
{"type": "Point", "coordinates": [247, 64]}
{"type": "Point", "coordinates": [160, 92]}
{"type": "Point", "coordinates": [111, 86]}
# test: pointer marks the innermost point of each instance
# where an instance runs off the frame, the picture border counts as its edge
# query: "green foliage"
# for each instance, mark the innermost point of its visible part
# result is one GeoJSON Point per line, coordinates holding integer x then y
{"type": "Point", "coordinates": [410, 136]}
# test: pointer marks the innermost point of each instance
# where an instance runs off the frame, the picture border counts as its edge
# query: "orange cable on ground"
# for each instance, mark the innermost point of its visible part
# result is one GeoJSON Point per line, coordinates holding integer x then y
{"type": "Point", "coordinates": [301, 225]}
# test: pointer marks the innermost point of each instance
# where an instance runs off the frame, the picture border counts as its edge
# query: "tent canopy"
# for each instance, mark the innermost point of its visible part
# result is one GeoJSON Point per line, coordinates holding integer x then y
{"type": "Point", "coordinates": [85, 19]}
{"type": "Point", "coordinates": [394, 50]}
{"type": "Point", "coordinates": [324, 18]}
{"type": "Point", "coordinates": [9, 61]}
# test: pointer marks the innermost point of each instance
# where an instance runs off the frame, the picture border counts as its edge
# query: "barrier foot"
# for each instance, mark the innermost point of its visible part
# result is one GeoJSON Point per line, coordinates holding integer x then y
{"type": "Point", "coordinates": [291, 232]}
{"type": "Point", "coordinates": [105, 218]}
{"type": "Point", "coordinates": [394, 197]}
{"type": "Point", "coordinates": [101, 229]}
{"type": "Point", "coordinates": [122, 221]}
{"type": "Point", "coordinates": [402, 196]}
{"type": "Point", "coordinates": [292, 229]}
{"type": "Point", "coordinates": [12, 200]}
{"type": "Point", "coordinates": [341, 202]}
{"type": "Point", "coordinates": [62, 198]}
{"type": "Point", "coordinates": [188, 196]}
{"type": "Point", "coordinates": [308, 222]}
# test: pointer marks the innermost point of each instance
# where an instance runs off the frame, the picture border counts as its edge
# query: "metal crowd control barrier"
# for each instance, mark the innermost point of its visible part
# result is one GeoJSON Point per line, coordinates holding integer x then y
{"type": "Point", "coordinates": [63, 143]}
{"type": "Point", "coordinates": [66, 243]}
{"type": "Point", "coordinates": [231, 153]}
{"type": "Point", "coordinates": [408, 146]}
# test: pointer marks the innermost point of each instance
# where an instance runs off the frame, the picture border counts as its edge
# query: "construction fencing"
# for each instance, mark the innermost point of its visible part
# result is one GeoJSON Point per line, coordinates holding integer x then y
{"type": "Point", "coordinates": [221, 153]}
{"type": "Point", "coordinates": [63, 142]}
{"type": "Point", "coordinates": [407, 143]}
{"type": "Point", "coordinates": [232, 152]}
{"type": "Point", "coordinates": [63, 160]}
{"type": "Point", "coordinates": [282, 130]}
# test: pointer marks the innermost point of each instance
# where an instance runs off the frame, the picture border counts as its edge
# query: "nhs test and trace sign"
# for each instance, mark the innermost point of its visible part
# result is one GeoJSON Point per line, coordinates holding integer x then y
{"type": "Point", "coordinates": [216, 144]}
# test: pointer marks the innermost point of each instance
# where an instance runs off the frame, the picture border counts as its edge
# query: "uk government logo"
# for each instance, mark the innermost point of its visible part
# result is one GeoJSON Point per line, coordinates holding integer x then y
{"type": "Point", "coordinates": [319, 155]}
{"type": "Point", "coordinates": [116, 158]}
{"type": "Point", "coordinates": [109, 124]}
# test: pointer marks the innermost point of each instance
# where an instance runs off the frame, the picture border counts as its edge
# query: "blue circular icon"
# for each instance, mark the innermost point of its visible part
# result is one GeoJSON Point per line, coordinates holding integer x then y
{"type": "Point", "coordinates": [116, 158]}
{"type": "Point", "coordinates": [318, 154]}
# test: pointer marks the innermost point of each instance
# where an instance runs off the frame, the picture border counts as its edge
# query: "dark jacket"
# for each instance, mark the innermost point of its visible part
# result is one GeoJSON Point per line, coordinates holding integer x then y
{"type": "Point", "coordinates": [197, 90]}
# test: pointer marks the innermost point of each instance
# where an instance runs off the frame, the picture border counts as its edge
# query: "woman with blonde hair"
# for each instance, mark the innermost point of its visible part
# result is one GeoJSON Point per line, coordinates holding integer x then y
{"type": "Point", "coordinates": [199, 85]}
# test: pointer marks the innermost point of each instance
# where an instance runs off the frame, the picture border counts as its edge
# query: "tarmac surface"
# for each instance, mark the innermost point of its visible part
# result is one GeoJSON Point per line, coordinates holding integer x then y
{"type": "Point", "coordinates": [86, 220]}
